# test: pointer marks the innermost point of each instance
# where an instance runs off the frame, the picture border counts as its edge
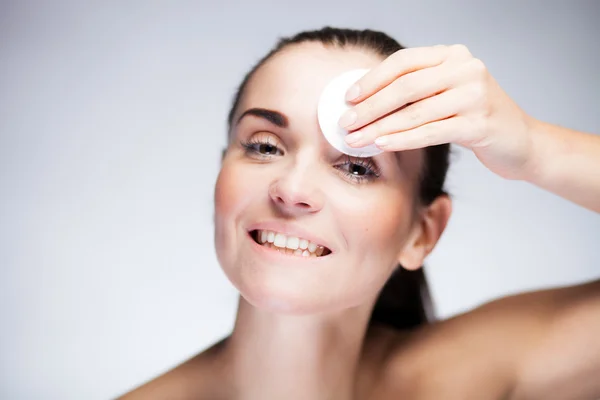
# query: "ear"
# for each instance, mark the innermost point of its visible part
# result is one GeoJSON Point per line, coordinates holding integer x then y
{"type": "Point", "coordinates": [427, 230]}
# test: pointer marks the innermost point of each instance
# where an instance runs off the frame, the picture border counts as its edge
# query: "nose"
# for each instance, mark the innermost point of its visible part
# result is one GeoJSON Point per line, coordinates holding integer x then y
{"type": "Point", "coordinates": [297, 193]}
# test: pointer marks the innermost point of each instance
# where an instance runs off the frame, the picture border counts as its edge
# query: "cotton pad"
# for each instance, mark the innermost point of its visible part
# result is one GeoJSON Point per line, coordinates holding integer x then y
{"type": "Point", "coordinates": [332, 104]}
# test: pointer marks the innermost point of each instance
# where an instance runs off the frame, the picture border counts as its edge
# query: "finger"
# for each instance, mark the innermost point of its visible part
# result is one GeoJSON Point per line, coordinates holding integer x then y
{"type": "Point", "coordinates": [407, 89]}
{"type": "Point", "coordinates": [403, 62]}
{"type": "Point", "coordinates": [434, 108]}
{"type": "Point", "coordinates": [434, 133]}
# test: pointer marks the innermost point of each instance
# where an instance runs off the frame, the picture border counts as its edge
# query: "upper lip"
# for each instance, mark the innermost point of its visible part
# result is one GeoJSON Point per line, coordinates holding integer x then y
{"type": "Point", "coordinates": [290, 230]}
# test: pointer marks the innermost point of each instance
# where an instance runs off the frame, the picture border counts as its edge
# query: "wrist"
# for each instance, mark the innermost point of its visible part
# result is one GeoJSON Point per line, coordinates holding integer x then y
{"type": "Point", "coordinates": [539, 149]}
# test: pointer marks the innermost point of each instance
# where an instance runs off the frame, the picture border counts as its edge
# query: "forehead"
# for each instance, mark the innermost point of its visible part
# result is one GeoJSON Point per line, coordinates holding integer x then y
{"type": "Point", "coordinates": [292, 80]}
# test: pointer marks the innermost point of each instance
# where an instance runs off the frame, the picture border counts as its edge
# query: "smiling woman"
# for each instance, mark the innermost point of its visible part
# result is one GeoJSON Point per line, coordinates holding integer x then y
{"type": "Point", "coordinates": [326, 249]}
{"type": "Point", "coordinates": [405, 301]}
{"type": "Point", "coordinates": [274, 134]}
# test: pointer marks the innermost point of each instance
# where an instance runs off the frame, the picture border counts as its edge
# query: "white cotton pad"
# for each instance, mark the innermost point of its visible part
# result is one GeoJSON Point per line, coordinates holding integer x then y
{"type": "Point", "coordinates": [332, 104]}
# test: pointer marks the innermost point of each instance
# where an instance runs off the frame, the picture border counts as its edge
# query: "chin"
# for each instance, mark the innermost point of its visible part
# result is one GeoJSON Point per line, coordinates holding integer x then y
{"type": "Point", "coordinates": [295, 296]}
{"type": "Point", "coordinates": [288, 296]}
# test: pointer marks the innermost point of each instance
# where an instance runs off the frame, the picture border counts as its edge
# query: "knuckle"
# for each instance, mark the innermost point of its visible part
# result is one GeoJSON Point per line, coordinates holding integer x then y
{"type": "Point", "coordinates": [398, 54]}
{"type": "Point", "coordinates": [442, 49]}
{"type": "Point", "coordinates": [478, 67]}
{"type": "Point", "coordinates": [391, 103]}
{"type": "Point", "coordinates": [378, 129]}
{"type": "Point", "coordinates": [406, 88]}
{"type": "Point", "coordinates": [371, 131]}
{"type": "Point", "coordinates": [428, 133]}
{"type": "Point", "coordinates": [460, 50]}
{"type": "Point", "coordinates": [414, 113]}
{"type": "Point", "coordinates": [477, 91]}
{"type": "Point", "coordinates": [397, 59]}
{"type": "Point", "coordinates": [365, 109]}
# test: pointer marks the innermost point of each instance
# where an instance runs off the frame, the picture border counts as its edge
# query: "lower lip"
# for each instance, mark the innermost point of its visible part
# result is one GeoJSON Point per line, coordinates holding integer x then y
{"type": "Point", "coordinates": [277, 256]}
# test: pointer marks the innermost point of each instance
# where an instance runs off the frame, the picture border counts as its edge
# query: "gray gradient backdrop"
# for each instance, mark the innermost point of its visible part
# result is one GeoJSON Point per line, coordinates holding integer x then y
{"type": "Point", "coordinates": [111, 126]}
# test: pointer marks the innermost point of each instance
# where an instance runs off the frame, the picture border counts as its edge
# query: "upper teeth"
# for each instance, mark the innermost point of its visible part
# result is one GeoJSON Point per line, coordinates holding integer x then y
{"type": "Point", "coordinates": [290, 242]}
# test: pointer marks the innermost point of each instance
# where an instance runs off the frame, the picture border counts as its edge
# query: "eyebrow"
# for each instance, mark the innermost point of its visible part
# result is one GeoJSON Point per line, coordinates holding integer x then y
{"type": "Point", "coordinates": [274, 117]}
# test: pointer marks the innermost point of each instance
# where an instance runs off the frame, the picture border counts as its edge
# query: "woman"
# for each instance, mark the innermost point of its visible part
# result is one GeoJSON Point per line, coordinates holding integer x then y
{"type": "Point", "coordinates": [310, 237]}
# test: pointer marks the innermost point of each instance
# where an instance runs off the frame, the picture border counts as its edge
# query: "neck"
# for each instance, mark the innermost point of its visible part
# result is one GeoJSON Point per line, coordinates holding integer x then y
{"type": "Point", "coordinates": [296, 357]}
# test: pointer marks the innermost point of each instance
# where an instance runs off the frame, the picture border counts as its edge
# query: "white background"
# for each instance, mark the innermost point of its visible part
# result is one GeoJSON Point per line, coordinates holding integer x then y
{"type": "Point", "coordinates": [112, 119]}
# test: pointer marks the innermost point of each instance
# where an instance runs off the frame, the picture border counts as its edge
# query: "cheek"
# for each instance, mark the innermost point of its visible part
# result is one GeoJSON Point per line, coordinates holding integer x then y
{"type": "Point", "coordinates": [379, 220]}
{"type": "Point", "coordinates": [234, 190]}
{"type": "Point", "coordinates": [232, 198]}
{"type": "Point", "coordinates": [375, 225]}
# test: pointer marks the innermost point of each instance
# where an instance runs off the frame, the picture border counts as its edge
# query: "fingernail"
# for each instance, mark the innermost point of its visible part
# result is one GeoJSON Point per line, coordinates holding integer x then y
{"type": "Point", "coordinates": [381, 141]}
{"type": "Point", "coordinates": [348, 119]}
{"type": "Point", "coordinates": [353, 137]}
{"type": "Point", "coordinates": [352, 93]}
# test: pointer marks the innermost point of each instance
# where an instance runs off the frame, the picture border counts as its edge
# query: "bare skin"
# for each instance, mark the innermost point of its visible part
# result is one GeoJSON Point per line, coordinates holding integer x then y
{"type": "Point", "coordinates": [540, 345]}
{"type": "Point", "coordinates": [299, 338]}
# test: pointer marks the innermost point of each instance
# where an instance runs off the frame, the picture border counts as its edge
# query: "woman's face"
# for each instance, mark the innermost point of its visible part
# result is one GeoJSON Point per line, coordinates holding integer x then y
{"type": "Point", "coordinates": [339, 224]}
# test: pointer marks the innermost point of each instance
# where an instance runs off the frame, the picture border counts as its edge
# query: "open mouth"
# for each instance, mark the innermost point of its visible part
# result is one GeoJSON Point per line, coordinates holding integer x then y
{"type": "Point", "coordinates": [290, 245]}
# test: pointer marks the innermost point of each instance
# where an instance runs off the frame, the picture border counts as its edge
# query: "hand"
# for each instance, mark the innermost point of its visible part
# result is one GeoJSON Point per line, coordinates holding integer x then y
{"type": "Point", "coordinates": [433, 95]}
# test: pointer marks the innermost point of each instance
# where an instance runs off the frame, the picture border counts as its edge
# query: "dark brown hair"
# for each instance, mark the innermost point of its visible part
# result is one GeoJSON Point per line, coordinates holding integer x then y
{"type": "Point", "coordinates": [404, 301]}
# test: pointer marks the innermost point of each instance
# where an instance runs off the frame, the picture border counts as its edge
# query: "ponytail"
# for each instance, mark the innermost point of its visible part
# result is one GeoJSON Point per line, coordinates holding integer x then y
{"type": "Point", "coordinates": [405, 301]}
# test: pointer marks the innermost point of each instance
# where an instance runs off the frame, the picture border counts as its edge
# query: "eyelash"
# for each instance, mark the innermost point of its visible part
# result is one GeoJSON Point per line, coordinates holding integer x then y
{"type": "Point", "coordinates": [252, 148]}
{"type": "Point", "coordinates": [372, 170]}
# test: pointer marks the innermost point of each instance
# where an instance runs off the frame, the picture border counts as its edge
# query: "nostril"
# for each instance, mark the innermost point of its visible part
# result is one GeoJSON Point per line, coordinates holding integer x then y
{"type": "Point", "coordinates": [300, 204]}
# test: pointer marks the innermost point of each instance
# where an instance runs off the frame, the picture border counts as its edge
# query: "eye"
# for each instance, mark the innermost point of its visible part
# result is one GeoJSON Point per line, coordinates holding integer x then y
{"type": "Point", "coordinates": [266, 149]}
{"type": "Point", "coordinates": [261, 146]}
{"type": "Point", "coordinates": [359, 169]}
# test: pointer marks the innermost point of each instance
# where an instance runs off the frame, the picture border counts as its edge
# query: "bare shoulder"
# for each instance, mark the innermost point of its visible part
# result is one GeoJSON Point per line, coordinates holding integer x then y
{"type": "Point", "coordinates": [192, 379]}
{"type": "Point", "coordinates": [494, 348]}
